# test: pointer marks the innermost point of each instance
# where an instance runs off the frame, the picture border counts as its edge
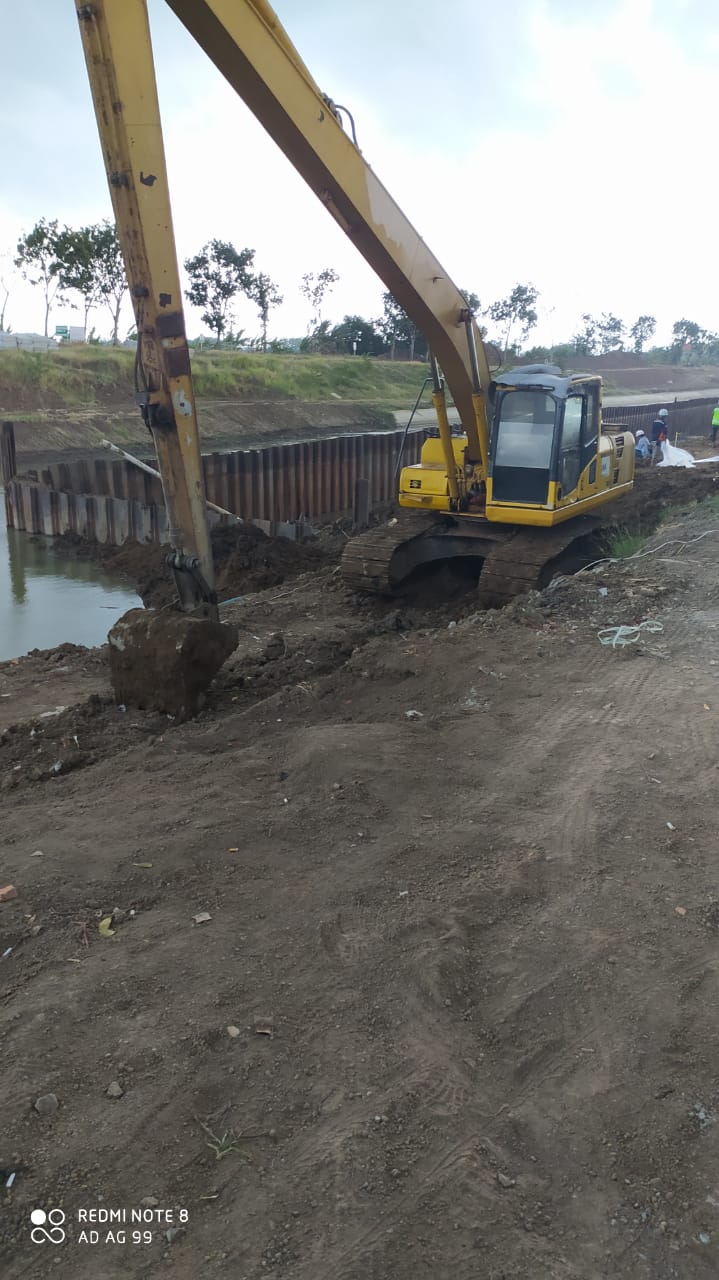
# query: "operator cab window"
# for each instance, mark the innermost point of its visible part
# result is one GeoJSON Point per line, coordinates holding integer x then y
{"type": "Point", "coordinates": [525, 430]}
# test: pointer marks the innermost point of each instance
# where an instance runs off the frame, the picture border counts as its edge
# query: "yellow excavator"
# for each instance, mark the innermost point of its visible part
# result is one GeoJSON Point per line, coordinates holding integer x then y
{"type": "Point", "coordinates": [515, 488]}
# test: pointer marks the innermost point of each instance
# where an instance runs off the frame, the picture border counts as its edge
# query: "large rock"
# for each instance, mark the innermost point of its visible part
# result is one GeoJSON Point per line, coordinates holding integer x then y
{"type": "Point", "coordinates": [165, 661]}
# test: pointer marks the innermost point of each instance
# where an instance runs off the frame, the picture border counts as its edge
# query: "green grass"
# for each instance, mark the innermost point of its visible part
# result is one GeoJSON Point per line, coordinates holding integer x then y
{"type": "Point", "coordinates": [75, 376]}
{"type": "Point", "coordinates": [710, 505]}
{"type": "Point", "coordinates": [622, 544]}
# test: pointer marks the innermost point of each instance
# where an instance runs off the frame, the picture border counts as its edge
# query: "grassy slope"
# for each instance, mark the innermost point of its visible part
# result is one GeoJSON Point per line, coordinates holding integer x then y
{"type": "Point", "coordinates": [74, 378]}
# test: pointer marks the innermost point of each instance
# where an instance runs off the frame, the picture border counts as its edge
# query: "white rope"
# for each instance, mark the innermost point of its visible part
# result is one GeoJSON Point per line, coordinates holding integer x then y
{"type": "Point", "coordinates": [617, 637]}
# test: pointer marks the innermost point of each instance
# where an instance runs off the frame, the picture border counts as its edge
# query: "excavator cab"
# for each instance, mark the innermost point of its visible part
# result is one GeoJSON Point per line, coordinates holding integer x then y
{"type": "Point", "coordinates": [546, 446]}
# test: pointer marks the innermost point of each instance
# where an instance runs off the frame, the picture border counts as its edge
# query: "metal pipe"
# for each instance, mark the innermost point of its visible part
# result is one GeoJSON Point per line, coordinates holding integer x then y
{"type": "Point", "coordinates": [479, 403]}
{"type": "Point", "coordinates": [472, 347]}
{"type": "Point", "coordinates": [439, 400]}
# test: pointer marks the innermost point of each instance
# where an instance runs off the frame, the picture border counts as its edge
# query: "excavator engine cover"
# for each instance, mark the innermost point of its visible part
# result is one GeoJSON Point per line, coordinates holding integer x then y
{"type": "Point", "coordinates": [165, 661]}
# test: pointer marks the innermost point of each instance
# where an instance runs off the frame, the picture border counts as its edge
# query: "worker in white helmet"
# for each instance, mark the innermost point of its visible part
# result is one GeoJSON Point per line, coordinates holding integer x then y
{"type": "Point", "coordinates": [641, 445]}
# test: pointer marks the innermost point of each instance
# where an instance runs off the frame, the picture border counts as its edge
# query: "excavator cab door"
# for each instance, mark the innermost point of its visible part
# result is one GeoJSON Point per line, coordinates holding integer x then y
{"type": "Point", "coordinates": [570, 447]}
{"type": "Point", "coordinates": [579, 440]}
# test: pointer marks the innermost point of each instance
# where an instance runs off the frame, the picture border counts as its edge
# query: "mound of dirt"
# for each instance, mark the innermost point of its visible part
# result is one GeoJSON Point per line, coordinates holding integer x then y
{"type": "Point", "coordinates": [657, 488]}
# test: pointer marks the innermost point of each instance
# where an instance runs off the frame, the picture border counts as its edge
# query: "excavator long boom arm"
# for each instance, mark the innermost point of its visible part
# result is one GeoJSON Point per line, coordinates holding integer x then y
{"type": "Point", "coordinates": [247, 43]}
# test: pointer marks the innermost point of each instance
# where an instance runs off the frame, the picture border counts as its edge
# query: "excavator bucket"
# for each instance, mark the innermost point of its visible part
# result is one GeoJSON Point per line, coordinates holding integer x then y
{"type": "Point", "coordinates": [166, 661]}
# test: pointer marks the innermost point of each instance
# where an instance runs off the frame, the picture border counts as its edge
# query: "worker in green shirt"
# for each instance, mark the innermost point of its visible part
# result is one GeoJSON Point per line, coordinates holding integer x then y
{"type": "Point", "coordinates": [715, 423]}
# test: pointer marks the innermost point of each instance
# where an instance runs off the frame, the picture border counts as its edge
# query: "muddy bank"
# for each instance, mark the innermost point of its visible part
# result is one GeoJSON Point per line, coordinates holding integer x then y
{"type": "Point", "coordinates": [246, 560]}
{"type": "Point", "coordinates": [658, 488]}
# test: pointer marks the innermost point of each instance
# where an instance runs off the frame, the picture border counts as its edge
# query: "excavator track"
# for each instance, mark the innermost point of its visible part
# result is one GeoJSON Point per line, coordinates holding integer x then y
{"type": "Point", "coordinates": [367, 559]}
{"type": "Point", "coordinates": [528, 559]}
{"type": "Point", "coordinates": [515, 560]}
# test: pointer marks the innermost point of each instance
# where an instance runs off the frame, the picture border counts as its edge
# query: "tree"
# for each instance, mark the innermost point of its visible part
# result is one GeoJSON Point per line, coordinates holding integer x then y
{"type": "Point", "coordinates": [79, 252]}
{"type": "Point", "coordinates": [319, 341]}
{"type": "Point", "coordinates": [217, 274]}
{"type": "Point", "coordinates": [518, 308]}
{"type": "Point", "coordinates": [472, 301]}
{"type": "Point", "coordinates": [688, 338]}
{"type": "Point", "coordinates": [315, 287]}
{"type": "Point", "coordinates": [395, 326]}
{"type": "Point", "coordinates": [39, 263]}
{"type": "Point", "coordinates": [265, 295]}
{"type": "Point", "coordinates": [357, 336]}
{"type": "Point", "coordinates": [110, 267]}
{"type": "Point", "coordinates": [562, 354]}
{"type": "Point", "coordinates": [641, 331]}
{"type": "Point", "coordinates": [610, 332]}
{"type": "Point", "coordinates": [585, 340]}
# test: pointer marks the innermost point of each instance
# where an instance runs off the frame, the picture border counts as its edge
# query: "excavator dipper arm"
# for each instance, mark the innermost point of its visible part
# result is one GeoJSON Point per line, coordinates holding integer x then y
{"type": "Point", "coordinates": [163, 660]}
{"type": "Point", "coordinates": [118, 54]}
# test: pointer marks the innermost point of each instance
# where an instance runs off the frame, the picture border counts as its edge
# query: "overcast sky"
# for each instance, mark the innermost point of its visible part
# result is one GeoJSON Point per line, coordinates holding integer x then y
{"type": "Point", "coordinates": [567, 143]}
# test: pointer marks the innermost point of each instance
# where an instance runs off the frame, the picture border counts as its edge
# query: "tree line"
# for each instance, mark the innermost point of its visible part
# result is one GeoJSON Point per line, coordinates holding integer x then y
{"type": "Point", "coordinates": [87, 261]}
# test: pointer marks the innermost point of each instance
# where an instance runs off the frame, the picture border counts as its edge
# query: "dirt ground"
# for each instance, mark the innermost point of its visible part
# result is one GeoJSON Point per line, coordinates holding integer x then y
{"type": "Point", "coordinates": [460, 873]}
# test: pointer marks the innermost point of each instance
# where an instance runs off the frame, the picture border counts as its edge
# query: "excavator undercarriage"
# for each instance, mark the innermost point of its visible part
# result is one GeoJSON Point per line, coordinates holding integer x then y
{"type": "Point", "coordinates": [513, 559]}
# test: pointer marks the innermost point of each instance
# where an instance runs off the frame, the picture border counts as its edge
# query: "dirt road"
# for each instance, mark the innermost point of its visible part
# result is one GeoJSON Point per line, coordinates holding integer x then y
{"type": "Point", "coordinates": [464, 916]}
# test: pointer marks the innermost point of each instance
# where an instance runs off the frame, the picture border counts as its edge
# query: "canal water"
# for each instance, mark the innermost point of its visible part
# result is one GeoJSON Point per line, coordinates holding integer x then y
{"type": "Point", "coordinates": [46, 599]}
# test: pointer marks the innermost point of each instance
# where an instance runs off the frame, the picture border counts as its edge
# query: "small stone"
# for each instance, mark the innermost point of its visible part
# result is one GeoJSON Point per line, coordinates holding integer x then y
{"type": "Point", "coordinates": [233, 1032]}
{"type": "Point", "coordinates": [149, 1202]}
{"type": "Point", "coordinates": [413, 715]}
{"type": "Point", "coordinates": [47, 1105]}
{"type": "Point", "coordinates": [172, 1233]}
{"type": "Point", "coordinates": [114, 1090]}
{"type": "Point", "coordinates": [505, 1181]}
